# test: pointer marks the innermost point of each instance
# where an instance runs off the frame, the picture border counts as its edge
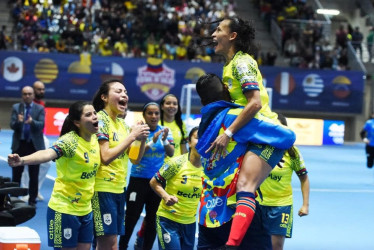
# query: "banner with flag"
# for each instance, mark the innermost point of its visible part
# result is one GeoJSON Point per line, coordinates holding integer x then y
{"type": "Point", "coordinates": [68, 77]}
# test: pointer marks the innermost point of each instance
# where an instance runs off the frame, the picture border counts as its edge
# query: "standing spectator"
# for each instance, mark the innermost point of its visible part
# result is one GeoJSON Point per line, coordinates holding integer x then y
{"type": "Point", "coordinates": [367, 135]}
{"type": "Point", "coordinates": [341, 37]}
{"type": "Point", "coordinates": [39, 90]}
{"type": "Point", "coordinates": [370, 42]}
{"type": "Point", "coordinates": [357, 38]}
{"type": "Point", "coordinates": [3, 38]}
{"type": "Point", "coordinates": [27, 121]}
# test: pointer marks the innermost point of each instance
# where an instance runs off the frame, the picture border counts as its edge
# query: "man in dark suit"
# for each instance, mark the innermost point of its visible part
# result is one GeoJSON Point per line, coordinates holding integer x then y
{"type": "Point", "coordinates": [27, 121]}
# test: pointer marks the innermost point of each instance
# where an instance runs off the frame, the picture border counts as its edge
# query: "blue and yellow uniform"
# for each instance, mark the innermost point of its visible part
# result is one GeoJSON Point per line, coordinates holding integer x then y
{"type": "Point", "coordinates": [277, 194]}
{"type": "Point", "coordinates": [153, 158]}
{"type": "Point", "coordinates": [183, 180]}
{"type": "Point", "coordinates": [109, 199]}
{"type": "Point", "coordinates": [77, 164]}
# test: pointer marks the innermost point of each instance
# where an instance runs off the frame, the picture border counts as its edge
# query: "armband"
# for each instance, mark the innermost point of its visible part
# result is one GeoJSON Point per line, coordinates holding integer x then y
{"type": "Point", "coordinates": [150, 144]}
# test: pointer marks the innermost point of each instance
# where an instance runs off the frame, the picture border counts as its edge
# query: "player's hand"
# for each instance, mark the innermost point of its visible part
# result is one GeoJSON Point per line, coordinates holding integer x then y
{"type": "Point", "coordinates": [165, 134]}
{"type": "Point", "coordinates": [366, 140]}
{"type": "Point", "coordinates": [140, 131]}
{"type": "Point", "coordinates": [170, 200]}
{"type": "Point", "coordinates": [218, 147]}
{"type": "Point", "coordinates": [304, 210]}
{"type": "Point", "coordinates": [14, 160]}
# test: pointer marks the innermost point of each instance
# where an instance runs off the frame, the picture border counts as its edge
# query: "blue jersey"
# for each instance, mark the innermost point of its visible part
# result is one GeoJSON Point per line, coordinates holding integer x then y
{"type": "Point", "coordinates": [369, 128]}
{"type": "Point", "coordinates": [153, 158]}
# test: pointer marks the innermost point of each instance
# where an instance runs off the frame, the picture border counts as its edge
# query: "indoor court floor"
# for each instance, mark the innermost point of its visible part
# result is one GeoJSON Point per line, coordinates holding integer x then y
{"type": "Point", "coordinates": [341, 211]}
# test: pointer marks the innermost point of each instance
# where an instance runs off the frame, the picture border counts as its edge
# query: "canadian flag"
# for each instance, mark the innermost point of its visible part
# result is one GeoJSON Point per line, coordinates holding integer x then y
{"type": "Point", "coordinates": [13, 69]}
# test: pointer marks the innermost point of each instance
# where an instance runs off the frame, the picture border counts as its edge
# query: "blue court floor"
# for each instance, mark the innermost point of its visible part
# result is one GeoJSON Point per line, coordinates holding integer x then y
{"type": "Point", "coordinates": [341, 212]}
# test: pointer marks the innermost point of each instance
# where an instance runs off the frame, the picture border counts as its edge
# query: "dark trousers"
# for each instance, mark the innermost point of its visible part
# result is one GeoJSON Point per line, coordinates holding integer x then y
{"type": "Point", "coordinates": [370, 155]}
{"type": "Point", "coordinates": [26, 148]}
{"type": "Point", "coordinates": [138, 194]}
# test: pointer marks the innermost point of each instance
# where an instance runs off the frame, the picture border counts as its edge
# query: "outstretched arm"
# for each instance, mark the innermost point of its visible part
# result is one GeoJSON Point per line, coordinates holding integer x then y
{"type": "Point", "coordinates": [305, 189]}
{"type": "Point", "coordinates": [41, 156]}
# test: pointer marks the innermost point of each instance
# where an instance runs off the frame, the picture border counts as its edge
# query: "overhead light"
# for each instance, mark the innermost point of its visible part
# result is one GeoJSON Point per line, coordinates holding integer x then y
{"type": "Point", "coordinates": [331, 12]}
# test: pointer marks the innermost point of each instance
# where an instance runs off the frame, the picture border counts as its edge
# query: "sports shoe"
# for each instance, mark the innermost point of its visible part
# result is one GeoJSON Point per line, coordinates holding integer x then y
{"type": "Point", "coordinates": [40, 197]}
{"type": "Point", "coordinates": [138, 242]}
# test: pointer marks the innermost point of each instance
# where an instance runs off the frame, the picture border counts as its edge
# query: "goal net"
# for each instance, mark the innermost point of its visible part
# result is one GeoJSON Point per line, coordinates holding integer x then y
{"type": "Point", "coordinates": [191, 105]}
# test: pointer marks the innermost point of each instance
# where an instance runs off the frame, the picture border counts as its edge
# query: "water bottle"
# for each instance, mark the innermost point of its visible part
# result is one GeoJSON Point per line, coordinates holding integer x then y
{"type": "Point", "coordinates": [134, 150]}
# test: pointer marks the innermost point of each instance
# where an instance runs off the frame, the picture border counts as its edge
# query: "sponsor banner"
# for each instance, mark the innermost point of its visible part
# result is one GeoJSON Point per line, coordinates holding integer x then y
{"type": "Point", "coordinates": [77, 77]}
{"type": "Point", "coordinates": [54, 118]}
{"type": "Point", "coordinates": [317, 132]}
{"type": "Point", "coordinates": [308, 131]}
{"type": "Point", "coordinates": [333, 132]}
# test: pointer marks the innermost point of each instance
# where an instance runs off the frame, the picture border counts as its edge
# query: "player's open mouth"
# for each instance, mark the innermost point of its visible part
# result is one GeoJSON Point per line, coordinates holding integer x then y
{"type": "Point", "coordinates": [96, 124]}
{"type": "Point", "coordinates": [122, 103]}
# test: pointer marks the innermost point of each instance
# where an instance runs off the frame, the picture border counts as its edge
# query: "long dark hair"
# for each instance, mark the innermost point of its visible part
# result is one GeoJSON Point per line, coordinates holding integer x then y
{"type": "Point", "coordinates": [75, 113]}
{"type": "Point", "coordinates": [246, 31]}
{"type": "Point", "coordinates": [177, 117]}
{"type": "Point", "coordinates": [97, 102]}
{"type": "Point", "coordinates": [291, 151]}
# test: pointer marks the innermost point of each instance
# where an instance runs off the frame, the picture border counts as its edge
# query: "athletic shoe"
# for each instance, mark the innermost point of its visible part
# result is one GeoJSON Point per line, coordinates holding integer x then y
{"type": "Point", "coordinates": [138, 242]}
{"type": "Point", "coordinates": [40, 197]}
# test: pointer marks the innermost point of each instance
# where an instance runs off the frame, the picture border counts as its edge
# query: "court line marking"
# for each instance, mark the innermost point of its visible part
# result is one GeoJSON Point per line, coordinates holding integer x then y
{"type": "Point", "coordinates": [339, 190]}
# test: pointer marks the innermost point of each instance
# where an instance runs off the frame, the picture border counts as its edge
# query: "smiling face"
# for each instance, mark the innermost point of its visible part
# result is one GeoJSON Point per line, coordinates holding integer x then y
{"type": "Point", "coordinates": [88, 123]}
{"type": "Point", "coordinates": [152, 116]}
{"type": "Point", "coordinates": [116, 100]}
{"type": "Point", "coordinates": [170, 106]}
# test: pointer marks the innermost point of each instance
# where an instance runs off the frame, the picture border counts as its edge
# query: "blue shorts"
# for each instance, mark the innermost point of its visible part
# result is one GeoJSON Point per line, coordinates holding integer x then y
{"type": "Point", "coordinates": [279, 220]}
{"type": "Point", "coordinates": [268, 153]}
{"type": "Point", "coordinates": [256, 238]}
{"type": "Point", "coordinates": [66, 230]}
{"type": "Point", "coordinates": [109, 213]}
{"type": "Point", "coordinates": [174, 235]}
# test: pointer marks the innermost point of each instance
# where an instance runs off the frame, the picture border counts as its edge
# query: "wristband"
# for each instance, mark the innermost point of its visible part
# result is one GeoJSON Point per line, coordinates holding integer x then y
{"type": "Point", "coordinates": [166, 142]}
{"type": "Point", "coordinates": [228, 133]}
{"type": "Point", "coordinates": [150, 144]}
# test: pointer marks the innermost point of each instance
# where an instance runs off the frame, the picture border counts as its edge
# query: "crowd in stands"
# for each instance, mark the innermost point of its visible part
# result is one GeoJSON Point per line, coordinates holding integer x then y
{"type": "Point", "coordinates": [169, 29]}
{"type": "Point", "coordinates": [304, 42]}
